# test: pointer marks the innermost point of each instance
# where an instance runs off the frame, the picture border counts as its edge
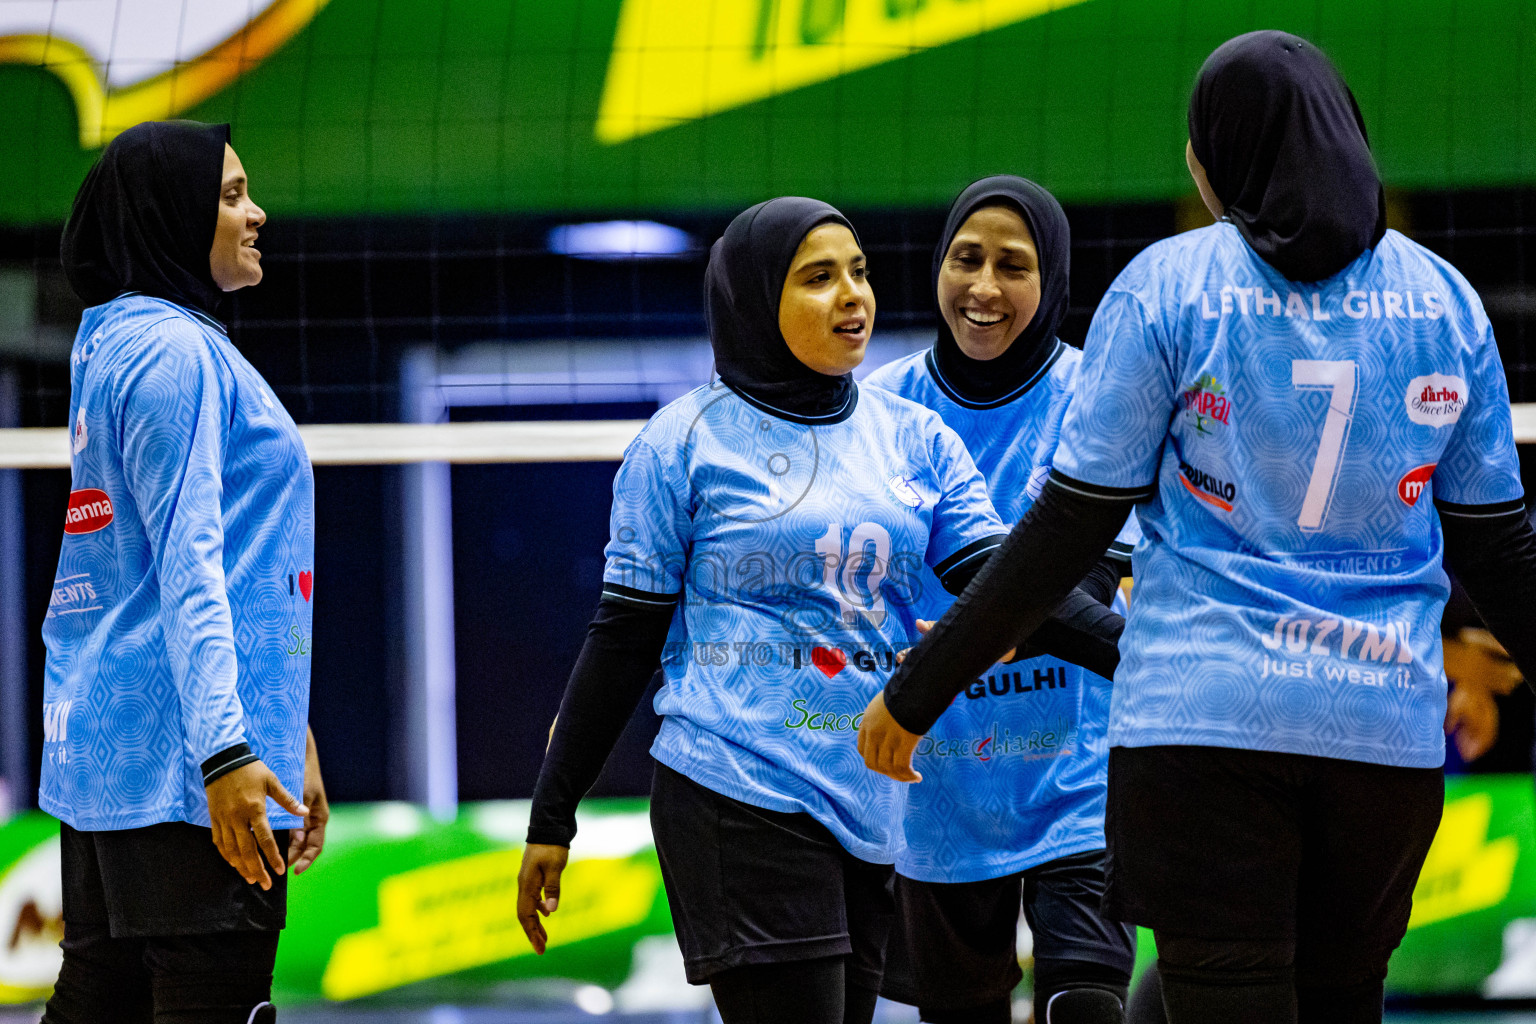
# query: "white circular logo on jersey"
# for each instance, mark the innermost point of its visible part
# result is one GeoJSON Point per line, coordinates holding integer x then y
{"type": "Point", "coordinates": [1436, 399]}
{"type": "Point", "coordinates": [780, 456]}
{"type": "Point", "coordinates": [905, 493]}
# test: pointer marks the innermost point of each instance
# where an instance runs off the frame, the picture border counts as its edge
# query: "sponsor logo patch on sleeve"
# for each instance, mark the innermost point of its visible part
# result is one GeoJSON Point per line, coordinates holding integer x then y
{"type": "Point", "coordinates": [1436, 399]}
{"type": "Point", "coordinates": [1412, 485]}
{"type": "Point", "coordinates": [89, 510]}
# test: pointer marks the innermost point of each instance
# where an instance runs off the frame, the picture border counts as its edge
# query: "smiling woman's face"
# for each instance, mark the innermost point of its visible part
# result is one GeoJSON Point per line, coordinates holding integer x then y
{"type": "Point", "coordinates": [989, 282]}
{"type": "Point", "coordinates": [234, 260]}
{"type": "Point", "coordinates": [827, 309]}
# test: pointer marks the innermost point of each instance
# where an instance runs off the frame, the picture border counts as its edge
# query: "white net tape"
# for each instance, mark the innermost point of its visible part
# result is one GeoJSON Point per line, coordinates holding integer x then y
{"type": "Point", "coordinates": [380, 444]}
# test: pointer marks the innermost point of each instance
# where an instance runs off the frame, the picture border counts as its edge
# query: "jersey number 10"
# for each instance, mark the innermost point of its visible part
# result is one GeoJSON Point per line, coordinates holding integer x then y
{"type": "Point", "coordinates": [1338, 377]}
{"type": "Point", "coordinates": [841, 569]}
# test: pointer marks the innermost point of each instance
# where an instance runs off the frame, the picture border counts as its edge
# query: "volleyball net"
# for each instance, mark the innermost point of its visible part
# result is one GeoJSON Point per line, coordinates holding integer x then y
{"type": "Point", "coordinates": [487, 229]}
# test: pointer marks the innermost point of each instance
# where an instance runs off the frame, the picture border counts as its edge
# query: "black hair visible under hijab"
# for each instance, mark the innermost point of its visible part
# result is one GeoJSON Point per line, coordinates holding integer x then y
{"type": "Point", "coordinates": [1284, 146]}
{"type": "Point", "coordinates": [994, 381]}
{"type": "Point", "coordinates": [742, 287]}
{"type": "Point", "coordinates": [144, 219]}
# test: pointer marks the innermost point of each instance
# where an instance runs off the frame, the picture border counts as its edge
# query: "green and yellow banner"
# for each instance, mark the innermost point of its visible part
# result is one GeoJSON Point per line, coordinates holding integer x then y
{"type": "Point", "coordinates": [348, 107]}
{"type": "Point", "coordinates": [400, 902]}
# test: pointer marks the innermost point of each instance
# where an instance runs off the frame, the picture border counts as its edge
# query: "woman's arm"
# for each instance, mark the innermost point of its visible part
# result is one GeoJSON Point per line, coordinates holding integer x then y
{"type": "Point", "coordinates": [1051, 549]}
{"type": "Point", "coordinates": [1493, 554]}
{"type": "Point", "coordinates": [172, 409]}
{"type": "Point", "coordinates": [647, 555]}
{"type": "Point", "coordinates": [1081, 629]}
{"type": "Point", "coordinates": [621, 652]}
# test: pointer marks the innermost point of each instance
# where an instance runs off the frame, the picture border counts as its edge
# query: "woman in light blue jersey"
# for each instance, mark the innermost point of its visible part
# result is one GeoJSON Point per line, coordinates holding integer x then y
{"type": "Point", "coordinates": [172, 712]}
{"type": "Point", "coordinates": [772, 533]}
{"type": "Point", "coordinates": [1011, 806]}
{"type": "Point", "coordinates": [1309, 414]}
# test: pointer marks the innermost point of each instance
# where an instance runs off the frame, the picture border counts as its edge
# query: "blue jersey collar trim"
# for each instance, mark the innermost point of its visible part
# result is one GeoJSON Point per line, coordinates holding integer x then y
{"type": "Point", "coordinates": [955, 396]}
{"type": "Point", "coordinates": [196, 314]}
{"type": "Point", "coordinates": [815, 421]}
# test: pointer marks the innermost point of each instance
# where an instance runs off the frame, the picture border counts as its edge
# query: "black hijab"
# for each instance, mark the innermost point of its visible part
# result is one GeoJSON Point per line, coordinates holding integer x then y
{"type": "Point", "coordinates": [984, 382]}
{"type": "Point", "coordinates": [144, 219]}
{"type": "Point", "coordinates": [1284, 146]}
{"type": "Point", "coordinates": [742, 287]}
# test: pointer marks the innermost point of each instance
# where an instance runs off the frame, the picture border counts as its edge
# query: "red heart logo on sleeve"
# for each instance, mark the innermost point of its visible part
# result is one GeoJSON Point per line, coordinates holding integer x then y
{"type": "Point", "coordinates": [306, 583]}
{"type": "Point", "coordinates": [829, 659]}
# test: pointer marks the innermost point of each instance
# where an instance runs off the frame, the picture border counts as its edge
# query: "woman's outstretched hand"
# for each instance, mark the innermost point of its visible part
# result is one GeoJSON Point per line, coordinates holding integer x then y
{"type": "Point", "coordinates": [538, 889]}
{"type": "Point", "coordinates": [887, 747]}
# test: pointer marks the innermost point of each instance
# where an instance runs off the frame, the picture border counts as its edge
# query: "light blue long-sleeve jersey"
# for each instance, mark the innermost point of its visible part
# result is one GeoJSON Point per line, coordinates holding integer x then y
{"type": "Point", "coordinates": [797, 554]}
{"type": "Point", "coordinates": [180, 622]}
{"type": "Point", "coordinates": [1294, 447]}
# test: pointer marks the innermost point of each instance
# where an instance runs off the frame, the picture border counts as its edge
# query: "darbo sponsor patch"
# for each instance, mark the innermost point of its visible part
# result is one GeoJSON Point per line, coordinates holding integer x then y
{"type": "Point", "coordinates": [1435, 399]}
{"type": "Point", "coordinates": [89, 510]}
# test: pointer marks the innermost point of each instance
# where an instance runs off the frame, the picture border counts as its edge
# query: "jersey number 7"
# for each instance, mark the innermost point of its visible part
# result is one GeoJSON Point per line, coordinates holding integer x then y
{"type": "Point", "coordinates": [1338, 377]}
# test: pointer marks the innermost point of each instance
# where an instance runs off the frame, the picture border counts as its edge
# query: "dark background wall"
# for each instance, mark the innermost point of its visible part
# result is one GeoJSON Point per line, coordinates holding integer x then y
{"type": "Point", "coordinates": [341, 301]}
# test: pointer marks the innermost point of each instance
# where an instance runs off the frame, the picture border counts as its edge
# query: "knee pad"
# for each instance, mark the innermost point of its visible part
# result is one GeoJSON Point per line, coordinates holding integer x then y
{"type": "Point", "coordinates": [1084, 1006]}
{"type": "Point", "coordinates": [92, 989]}
{"type": "Point", "coordinates": [1079, 992]}
{"type": "Point", "coordinates": [1211, 982]}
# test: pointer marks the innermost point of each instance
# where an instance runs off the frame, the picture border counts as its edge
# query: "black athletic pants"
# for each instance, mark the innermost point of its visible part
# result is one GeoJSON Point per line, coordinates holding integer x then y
{"type": "Point", "coordinates": [1277, 885]}
{"type": "Point", "coordinates": [770, 911]}
{"type": "Point", "coordinates": [159, 929]}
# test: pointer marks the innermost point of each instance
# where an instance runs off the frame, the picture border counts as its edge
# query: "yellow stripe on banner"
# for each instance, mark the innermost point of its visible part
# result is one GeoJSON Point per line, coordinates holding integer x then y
{"type": "Point", "coordinates": [458, 914]}
{"type": "Point", "coordinates": [1464, 871]}
{"type": "Point", "coordinates": [679, 60]}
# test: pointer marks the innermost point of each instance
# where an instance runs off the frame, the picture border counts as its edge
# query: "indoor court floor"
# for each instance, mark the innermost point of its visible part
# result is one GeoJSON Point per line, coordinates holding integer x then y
{"type": "Point", "coordinates": [889, 1013]}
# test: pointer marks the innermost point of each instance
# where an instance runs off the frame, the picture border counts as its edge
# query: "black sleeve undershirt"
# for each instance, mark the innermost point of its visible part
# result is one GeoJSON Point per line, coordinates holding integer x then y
{"type": "Point", "coordinates": [1104, 578]}
{"type": "Point", "coordinates": [1492, 551]}
{"type": "Point", "coordinates": [1081, 630]}
{"type": "Point", "coordinates": [621, 653]}
{"type": "Point", "coordinates": [1053, 547]}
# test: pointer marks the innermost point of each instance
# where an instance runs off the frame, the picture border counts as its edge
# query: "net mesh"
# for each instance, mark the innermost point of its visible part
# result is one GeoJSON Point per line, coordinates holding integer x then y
{"type": "Point", "coordinates": [419, 161]}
